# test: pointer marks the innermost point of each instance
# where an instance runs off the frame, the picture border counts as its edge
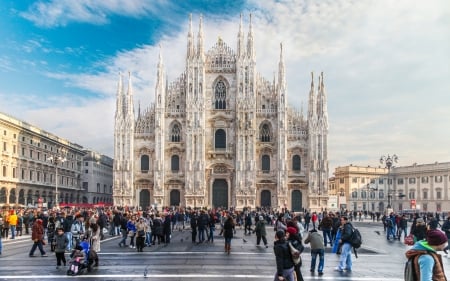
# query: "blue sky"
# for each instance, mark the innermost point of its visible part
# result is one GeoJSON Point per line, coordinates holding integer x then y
{"type": "Point", "coordinates": [385, 63]}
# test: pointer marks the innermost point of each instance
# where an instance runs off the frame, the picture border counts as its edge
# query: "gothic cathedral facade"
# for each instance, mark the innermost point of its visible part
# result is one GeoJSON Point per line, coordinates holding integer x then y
{"type": "Point", "coordinates": [221, 135]}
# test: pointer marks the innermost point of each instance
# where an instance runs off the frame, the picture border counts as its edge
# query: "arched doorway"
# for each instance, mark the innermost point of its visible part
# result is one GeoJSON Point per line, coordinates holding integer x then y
{"type": "Point", "coordinates": [220, 193]}
{"type": "Point", "coordinates": [144, 199]}
{"type": "Point", "coordinates": [265, 198]}
{"type": "Point", "coordinates": [296, 201]}
{"type": "Point", "coordinates": [22, 197]}
{"type": "Point", "coordinates": [174, 197]}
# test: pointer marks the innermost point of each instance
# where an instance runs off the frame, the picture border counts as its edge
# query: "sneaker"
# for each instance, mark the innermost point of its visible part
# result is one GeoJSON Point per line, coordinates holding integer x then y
{"type": "Point", "coordinates": [57, 267]}
{"type": "Point", "coordinates": [338, 269]}
{"type": "Point", "coordinates": [131, 247]}
{"type": "Point", "coordinates": [120, 245]}
{"type": "Point", "coordinates": [320, 273]}
{"type": "Point", "coordinates": [31, 256]}
{"type": "Point", "coordinates": [44, 255]}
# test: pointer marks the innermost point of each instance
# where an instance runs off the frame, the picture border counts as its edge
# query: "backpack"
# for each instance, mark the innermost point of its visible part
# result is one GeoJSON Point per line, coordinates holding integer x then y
{"type": "Point", "coordinates": [356, 238]}
{"type": "Point", "coordinates": [409, 272]}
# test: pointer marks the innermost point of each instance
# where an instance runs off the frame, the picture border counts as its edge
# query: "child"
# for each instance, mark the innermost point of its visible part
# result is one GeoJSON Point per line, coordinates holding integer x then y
{"type": "Point", "coordinates": [61, 243]}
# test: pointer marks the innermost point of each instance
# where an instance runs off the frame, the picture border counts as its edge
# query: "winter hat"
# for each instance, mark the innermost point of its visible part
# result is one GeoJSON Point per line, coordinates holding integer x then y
{"type": "Point", "coordinates": [436, 237]}
{"type": "Point", "coordinates": [291, 230]}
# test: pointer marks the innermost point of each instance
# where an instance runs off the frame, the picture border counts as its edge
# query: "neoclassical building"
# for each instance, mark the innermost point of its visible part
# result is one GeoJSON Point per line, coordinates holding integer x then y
{"type": "Point", "coordinates": [221, 135]}
{"type": "Point", "coordinates": [30, 177]}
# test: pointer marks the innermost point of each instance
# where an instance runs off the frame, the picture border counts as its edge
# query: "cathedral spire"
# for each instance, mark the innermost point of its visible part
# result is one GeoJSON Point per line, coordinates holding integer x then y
{"type": "Point", "coordinates": [322, 110]}
{"type": "Point", "coordinates": [281, 70]}
{"type": "Point", "coordinates": [119, 97]}
{"type": "Point", "coordinates": [250, 47]}
{"type": "Point", "coordinates": [159, 91]}
{"type": "Point", "coordinates": [130, 107]}
{"type": "Point", "coordinates": [200, 38]}
{"type": "Point", "coordinates": [240, 46]}
{"type": "Point", "coordinates": [190, 46]}
{"type": "Point", "coordinates": [312, 116]}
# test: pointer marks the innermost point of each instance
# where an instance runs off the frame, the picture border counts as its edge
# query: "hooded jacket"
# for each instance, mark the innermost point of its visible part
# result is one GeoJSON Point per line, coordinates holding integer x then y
{"type": "Point", "coordinates": [427, 263]}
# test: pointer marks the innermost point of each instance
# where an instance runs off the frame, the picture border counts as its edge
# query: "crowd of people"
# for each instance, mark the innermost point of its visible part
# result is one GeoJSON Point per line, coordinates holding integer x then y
{"type": "Point", "coordinates": [66, 229]}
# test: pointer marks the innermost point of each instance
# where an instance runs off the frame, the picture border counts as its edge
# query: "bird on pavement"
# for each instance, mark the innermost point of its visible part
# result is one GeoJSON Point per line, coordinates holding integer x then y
{"type": "Point", "coordinates": [245, 241]}
{"type": "Point", "coordinates": [377, 232]}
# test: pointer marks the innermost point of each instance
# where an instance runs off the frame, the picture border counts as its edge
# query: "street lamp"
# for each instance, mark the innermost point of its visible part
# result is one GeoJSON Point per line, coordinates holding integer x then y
{"type": "Point", "coordinates": [388, 161]}
{"type": "Point", "coordinates": [56, 159]}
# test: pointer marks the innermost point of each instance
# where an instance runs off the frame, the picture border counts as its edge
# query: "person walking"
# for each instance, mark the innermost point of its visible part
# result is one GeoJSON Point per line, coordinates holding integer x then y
{"type": "Point", "coordinates": [317, 248]}
{"type": "Point", "coordinates": [326, 225]}
{"type": "Point", "coordinates": [141, 229]}
{"type": "Point", "coordinates": [61, 243]}
{"type": "Point", "coordinates": [345, 260]}
{"type": "Point", "coordinates": [446, 229]}
{"type": "Point", "coordinates": [260, 230]}
{"type": "Point", "coordinates": [12, 220]}
{"type": "Point", "coordinates": [283, 258]}
{"type": "Point", "coordinates": [293, 237]}
{"type": "Point", "coordinates": [123, 230]}
{"type": "Point", "coordinates": [425, 257]}
{"type": "Point", "coordinates": [37, 235]}
{"type": "Point", "coordinates": [131, 228]}
{"type": "Point", "coordinates": [228, 230]}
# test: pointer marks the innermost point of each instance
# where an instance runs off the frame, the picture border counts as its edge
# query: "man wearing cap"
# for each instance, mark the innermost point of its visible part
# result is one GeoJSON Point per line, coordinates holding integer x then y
{"type": "Point", "coordinates": [427, 262]}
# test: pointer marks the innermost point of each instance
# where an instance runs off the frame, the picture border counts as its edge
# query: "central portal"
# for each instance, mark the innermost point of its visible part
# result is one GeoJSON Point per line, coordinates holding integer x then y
{"type": "Point", "coordinates": [220, 193]}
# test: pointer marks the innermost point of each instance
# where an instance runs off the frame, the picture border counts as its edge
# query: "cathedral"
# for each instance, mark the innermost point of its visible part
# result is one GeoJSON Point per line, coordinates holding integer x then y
{"type": "Point", "coordinates": [221, 135]}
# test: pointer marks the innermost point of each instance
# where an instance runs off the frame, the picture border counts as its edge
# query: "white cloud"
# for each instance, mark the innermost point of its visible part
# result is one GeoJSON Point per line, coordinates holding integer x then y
{"type": "Point", "coordinates": [61, 12]}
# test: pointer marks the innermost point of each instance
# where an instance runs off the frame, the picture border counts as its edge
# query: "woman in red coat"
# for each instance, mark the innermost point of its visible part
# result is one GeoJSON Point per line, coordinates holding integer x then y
{"type": "Point", "coordinates": [37, 236]}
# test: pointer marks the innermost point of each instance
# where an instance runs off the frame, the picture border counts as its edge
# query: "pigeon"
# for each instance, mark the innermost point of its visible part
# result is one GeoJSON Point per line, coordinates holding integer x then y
{"type": "Point", "coordinates": [377, 232]}
{"type": "Point", "coordinates": [245, 241]}
{"type": "Point", "coordinates": [182, 240]}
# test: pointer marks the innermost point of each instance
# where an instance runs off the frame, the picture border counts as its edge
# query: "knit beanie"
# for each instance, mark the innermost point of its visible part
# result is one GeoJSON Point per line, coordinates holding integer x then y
{"type": "Point", "coordinates": [436, 237]}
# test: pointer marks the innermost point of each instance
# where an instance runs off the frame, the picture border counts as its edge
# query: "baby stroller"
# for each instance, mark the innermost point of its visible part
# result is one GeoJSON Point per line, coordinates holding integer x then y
{"type": "Point", "coordinates": [82, 258]}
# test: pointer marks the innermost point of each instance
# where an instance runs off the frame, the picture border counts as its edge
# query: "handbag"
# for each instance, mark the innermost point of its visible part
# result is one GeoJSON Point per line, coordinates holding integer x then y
{"type": "Point", "coordinates": [409, 240]}
{"type": "Point", "coordinates": [141, 233]}
{"type": "Point", "coordinates": [130, 233]}
{"type": "Point", "coordinates": [296, 258]}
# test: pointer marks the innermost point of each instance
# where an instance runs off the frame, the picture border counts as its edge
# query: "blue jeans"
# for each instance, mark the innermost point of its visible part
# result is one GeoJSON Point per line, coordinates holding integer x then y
{"type": "Point", "coordinates": [201, 234]}
{"type": "Point", "coordinates": [288, 275]}
{"type": "Point", "coordinates": [345, 261]}
{"type": "Point", "coordinates": [211, 233]}
{"type": "Point", "coordinates": [148, 238]}
{"type": "Point", "coordinates": [13, 231]}
{"type": "Point", "coordinates": [1, 245]}
{"type": "Point", "coordinates": [327, 234]}
{"type": "Point", "coordinates": [314, 253]}
{"type": "Point", "coordinates": [124, 237]}
{"type": "Point", "coordinates": [390, 232]}
{"type": "Point", "coordinates": [70, 238]}
{"type": "Point", "coordinates": [37, 244]}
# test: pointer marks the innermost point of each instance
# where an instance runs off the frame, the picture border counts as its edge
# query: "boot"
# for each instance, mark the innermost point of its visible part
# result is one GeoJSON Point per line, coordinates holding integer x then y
{"type": "Point", "coordinates": [228, 249]}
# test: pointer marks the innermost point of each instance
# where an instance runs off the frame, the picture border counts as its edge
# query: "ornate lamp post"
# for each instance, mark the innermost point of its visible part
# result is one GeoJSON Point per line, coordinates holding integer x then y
{"type": "Point", "coordinates": [388, 161]}
{"type": "Point", "coordinates": [55, 160]}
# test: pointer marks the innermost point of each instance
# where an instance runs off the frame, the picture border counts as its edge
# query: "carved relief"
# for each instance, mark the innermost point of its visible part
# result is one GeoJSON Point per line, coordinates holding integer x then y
{"type": "Point", "coordinates": [220, 169]}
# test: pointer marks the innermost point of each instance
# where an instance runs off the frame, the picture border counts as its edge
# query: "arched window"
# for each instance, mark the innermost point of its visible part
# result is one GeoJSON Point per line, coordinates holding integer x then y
{"type": "Point", "coordinates": [145, 163]}
{"type": "Point", "coordinates": [175, 163]}
{"type": "Point", "coordinates": [265, 163]}
{"type": "Point", "coordinates": [220, 95]}
{"type": "Point", "coordinates": [296, 163]}
{"type": "Point", "coordinates": [176, 133]}
{"type": "Point", "coordinates": [265, 133]}
{"type": "Point", "coordinates": [220, 141]}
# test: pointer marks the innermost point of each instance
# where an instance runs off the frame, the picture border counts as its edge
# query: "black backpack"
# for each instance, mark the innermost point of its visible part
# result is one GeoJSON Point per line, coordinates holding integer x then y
{"type": "Point", "coordinates": [356, 238]}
